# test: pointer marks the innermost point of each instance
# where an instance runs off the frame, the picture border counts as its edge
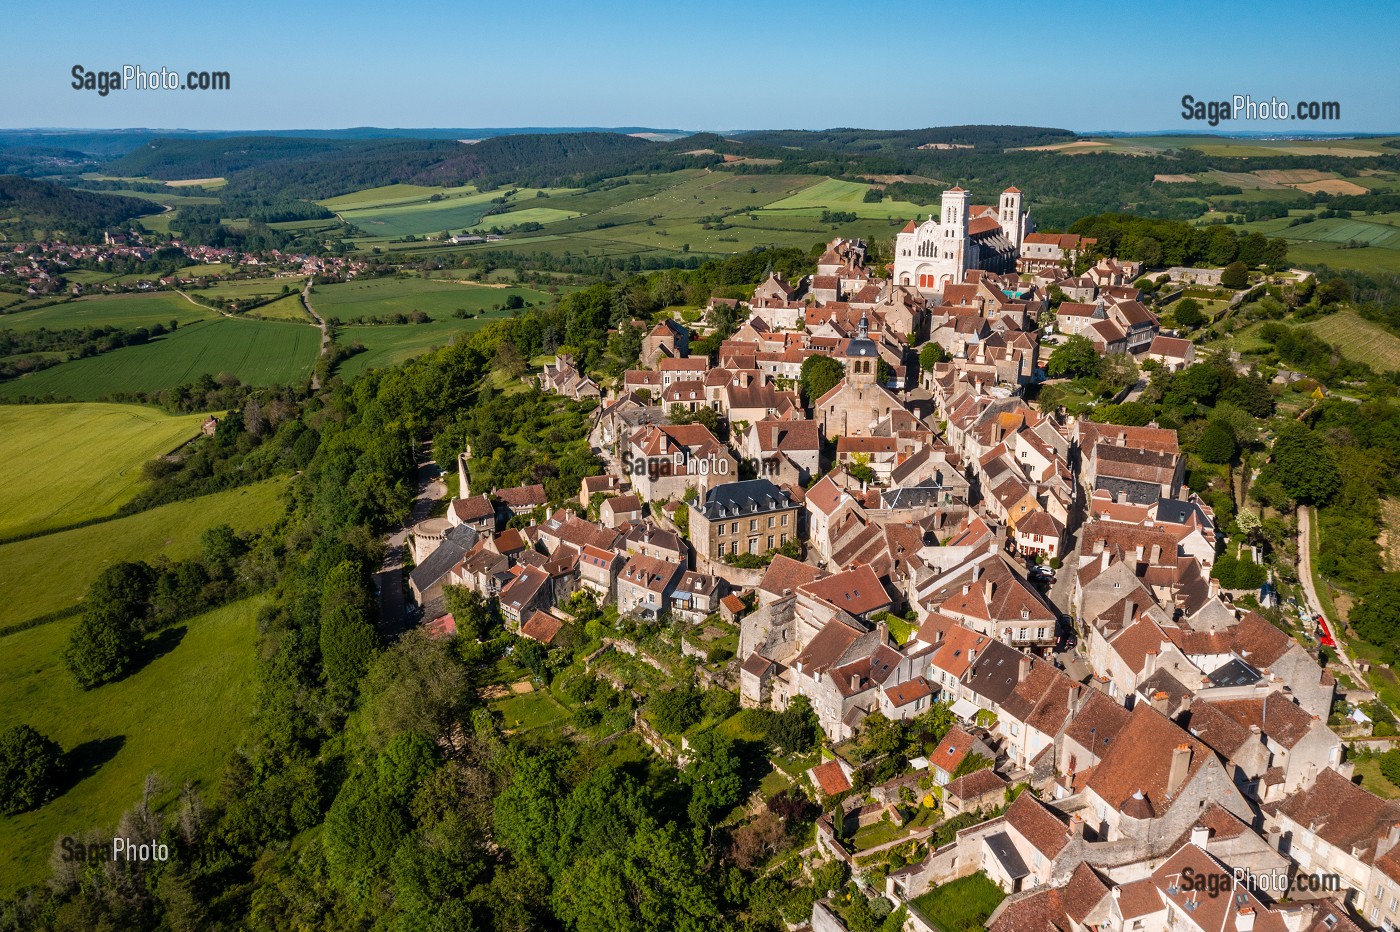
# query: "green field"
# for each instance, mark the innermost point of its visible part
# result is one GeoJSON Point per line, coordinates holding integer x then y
{"type": "Point", "coordinates": [62, 464]}
{"type": "Point", "coordinates": [179, 717]}
{"type": "Point", "coordinates": [1359, 340]}
{"type": "Point", "coordinates": [51, 573]}
{"type": "Point", "coordinates": [833, 194]}
{"type": "Point", "coordinates": [526, 215]}
{"type": "Point", "coordinates": [962, 904]}
{"type": "Point", "coordinates": [532, 710]}
{"type": "Point", "coordinates": [125, 311]}
{"type": "Point", "coordinates": [1238, 147]}
{"type": "Point", "coordinates": [402, 210]}
{"type": "Point", "coordinates": [438, 298]}
{"type": "Point", "coordinates": [257, 352]}
{"type": "Point", "coordinates": [391, 345]}
{"type": "Point", "coordinates": [249, 288]}
{"type": "Point", "coordinates": [288, 308]}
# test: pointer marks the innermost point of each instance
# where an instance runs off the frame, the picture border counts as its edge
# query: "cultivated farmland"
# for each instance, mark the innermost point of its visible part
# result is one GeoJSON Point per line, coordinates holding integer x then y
{"type": "Point", "coordinates": [1360, 340]}
{"type": "Point", "coordinates": [258, 352]}
{"type": "Point", "coordinates": [438, 298]}
{"type": "Point", "coordinates": [125, 311]}
{"type": "Point", "coordinates": [62, 464]}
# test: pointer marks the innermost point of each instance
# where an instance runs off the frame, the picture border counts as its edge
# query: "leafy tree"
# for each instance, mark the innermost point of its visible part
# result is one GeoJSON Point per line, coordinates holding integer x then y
{"type": "Point", "coordinates": [820, 374]}
{"type": "Point", "coordinates": [1073, 358]}
{"type": "Point", "coordinates": [1304, 465]}
{"type": "Point", "coordinates": [713, 777]}
{"type": "Point", "coordinates": [675, 710]}
{"type": "Point", "coordinates": [1188, 313]}
{"type": "Point", "coordinates": [414, 686]}
{"type": "Point", "coordinates": [107, 639]}
{"type": "Point", "coordinates": [1235, 275]}
{"type": "Point", "coordinates": [930, 356]}
{"type": "Point", "coordinates": [1118, 370]}
{"type": "Point", "coordinates": [1217, 444]}
{"type": "Point", "coordinates": [795, 729]}
{"type": "Point", "coordinates": [1376, 615]}
{"type": "Point", "coordinates": [29, 769]}
{"type": "Point", "coordinates": [1390, 766]}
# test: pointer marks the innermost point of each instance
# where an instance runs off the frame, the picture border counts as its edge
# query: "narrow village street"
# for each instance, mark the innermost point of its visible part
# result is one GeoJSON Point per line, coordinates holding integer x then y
{"type": "Point", "coordinates": [390, 581]}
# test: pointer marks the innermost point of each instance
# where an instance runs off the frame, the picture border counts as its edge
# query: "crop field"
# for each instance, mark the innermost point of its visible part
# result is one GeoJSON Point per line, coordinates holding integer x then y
{"type": "Point", "coordinates": [1359, 339]}
{"type": "Point", "coordinates": [179, 717]}
{"type": "Point", "coordinates": [402, 210]}
{"type": "Point", "coordinates": [1327, 242]}
{"type": "Point", "coordinates": [258, 352]}
{"type": "Point", "coordinates": [833, 194]}
{"type": "Point", "coordinates": [527, 215]}
{"type": "Point", "coordinates": [249, 288]}
{"type": "Point", "coordinates": [62, 464]}
{"type": "Point", "coordinates": [391, 345]}
{"type": "Point", "coordinates": [50, 573]}
{"type": "Point", "coordinates": [439, 299]}
{"type": "Point", "coordinates": [288, 308]}
{"type": "Point", "coordinates": [125, 311]}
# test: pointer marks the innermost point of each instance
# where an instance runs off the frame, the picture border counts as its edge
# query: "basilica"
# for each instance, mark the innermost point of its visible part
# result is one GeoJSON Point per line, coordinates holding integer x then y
{"type": "Point", "coordinates": [939, 252]}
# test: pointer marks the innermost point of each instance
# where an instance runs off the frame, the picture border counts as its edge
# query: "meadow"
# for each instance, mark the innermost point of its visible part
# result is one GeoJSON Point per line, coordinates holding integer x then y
{"type": "Point", "coordinates": [179, 717]}
{"type": "Point", "coordinates": [63, 464]}
{"type": "Point", "coordinates": [833, 194]}
{"type": "Point", "coordinates": [51, 573]}
{"type": "Point", "coordinates": [402, 210]}
{"type": "Point", "coordinates": [438, 298]}
{"type": "Point", "coordinates": [391, 345]}
{"type": "Point", "coordinates": [124, 311]}
{"type": "Point", "coordinates": [258, 352]}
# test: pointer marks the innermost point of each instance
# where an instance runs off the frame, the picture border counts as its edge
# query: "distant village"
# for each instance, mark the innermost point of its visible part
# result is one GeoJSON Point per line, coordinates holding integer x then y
{"type": "Point", "coordinates": [922, 535]}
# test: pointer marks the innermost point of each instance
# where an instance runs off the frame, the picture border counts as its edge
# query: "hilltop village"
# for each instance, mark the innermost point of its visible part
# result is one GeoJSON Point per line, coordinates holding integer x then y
{"type": "Point", "coordinates": [1124, 744]}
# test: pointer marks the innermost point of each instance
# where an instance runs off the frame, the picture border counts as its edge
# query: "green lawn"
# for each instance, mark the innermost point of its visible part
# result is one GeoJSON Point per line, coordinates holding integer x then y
{"type": "Point", "coordinates": [960, 906]}
{"type": "Point", "coordinates": [51, 573]}
{"type": "Point", "coordinates": [178, 717]}
{"type": "Point", "coordinates": [258, 352]}
{"type": "Point", "coordinates": [248, 289]}
{"type": "Point", "coordinates": [1369, 770]}
{"type": "Point", "coordinates": [126, 311]}
{"type": "Point", "coordinates": [526, 215]}
{"type": "Point", "coordinates": [438, 298]}
{"type": "Point", "coordinates": [288, 308]}
{"type": "Point", "coordinates": [532, 710]}
{"type": "Point", "coordinates": [62, 464]}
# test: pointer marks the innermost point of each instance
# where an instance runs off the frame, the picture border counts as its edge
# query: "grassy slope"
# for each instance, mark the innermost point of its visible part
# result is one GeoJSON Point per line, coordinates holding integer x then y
{"type": "Point", "coordinates": [257, 352]}
{"type": "Point", "coordinates": [126, 311]}
{"type": "Point", "coordinates": [178, 717]}
{"type": "Point", "coordinates": [61, 464]}
{"type": "Point", "coordinates": [51, 573]}
{"type": "Point", "coordinates": [439, 299]}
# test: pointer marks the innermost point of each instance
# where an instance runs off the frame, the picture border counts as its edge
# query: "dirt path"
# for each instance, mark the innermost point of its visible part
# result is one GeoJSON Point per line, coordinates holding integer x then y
{"type": "Point", "coordinates": [325, 331]}
{"type": "Point", "coordinates": [1310, 593]}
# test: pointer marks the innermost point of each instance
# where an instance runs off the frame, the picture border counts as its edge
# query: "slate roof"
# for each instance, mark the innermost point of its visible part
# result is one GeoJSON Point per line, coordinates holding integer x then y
{"type": "Point", "coordinates": [448, 554]}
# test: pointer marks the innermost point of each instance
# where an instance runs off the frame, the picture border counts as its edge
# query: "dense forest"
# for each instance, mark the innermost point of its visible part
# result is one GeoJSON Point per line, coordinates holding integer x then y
{"type": "Point", "coordinates": [29, 208]}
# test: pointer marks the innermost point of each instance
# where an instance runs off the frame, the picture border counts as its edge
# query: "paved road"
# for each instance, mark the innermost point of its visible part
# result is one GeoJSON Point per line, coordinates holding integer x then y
{"type": "Point", "coordinates": [1314, 604]}
{"type": "Point", "coordinates": [393, 619]}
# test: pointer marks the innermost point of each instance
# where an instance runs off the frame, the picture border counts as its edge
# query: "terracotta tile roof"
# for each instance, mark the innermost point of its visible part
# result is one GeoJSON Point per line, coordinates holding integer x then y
{"type": "Point", "coordinates": [1140, 760]}
{"type": "Point", "coordinates": [541, 627]}
{"type": "Point", "coordinates": [1258, 642]}
{"type": "Point", "coordinates": [1169, 346]}
{"type": "Point", "coordinates": [1038, 825]}
{"type": "Point", "coordinates": [733, 603]}
{"type": "Point", "coordinates": [1277, 717]}
{"type": "Point", "coordinates": [1040, 911]}
{"type": "Point", "coordinates": [1139, 898]}
{"type": "Point", "coordinates": [1098, 723]}
{"type": "Point", "coordinates": [908, 691]}
{"type": "Point", "coordinates": [976, 784]}
{"type": "Point", "coordinates": [952, 750]}
{"type": "Point", "coordinates": [525, 496]}
{"type": "Point", "coordinates": [831, 778]}
{"type": "Point", "coordinates": [650, 573]}
{"type": "Point", "coordinates": [1221, 911]}
{"type": "Point", "coordinates": [473, 509]}
{"type": "Point", "coordinates": [1340, 812]}
{"type": "Point", "coordinates": [827, 648]}
{"type": "Point", "coordinates": [1084, 892]}
{"type": "Point", "coordinates": [958, 649]}
{"type": "Point", "coordinates": [857, 590]}
{"type": "Point", "coordinates": [785, 574]}
{"type": "Point", "coordinates": [756, 664]}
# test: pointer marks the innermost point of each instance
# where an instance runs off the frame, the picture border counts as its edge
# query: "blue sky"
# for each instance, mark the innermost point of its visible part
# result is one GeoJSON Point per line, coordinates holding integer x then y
{"type": "Point", "coordinates": [716, 65]}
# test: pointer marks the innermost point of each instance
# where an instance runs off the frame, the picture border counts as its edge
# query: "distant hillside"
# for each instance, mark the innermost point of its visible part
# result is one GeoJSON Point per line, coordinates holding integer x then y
{"type": "Point", "coordinates": [29, 208]}
{"type": "Point", "coordinates": [279, 167]}
{"type": "Point", "coordinates": [855, 141]}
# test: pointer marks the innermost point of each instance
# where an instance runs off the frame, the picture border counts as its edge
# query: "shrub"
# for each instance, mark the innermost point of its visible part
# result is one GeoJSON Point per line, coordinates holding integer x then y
{"type": "Point", "coordinates": [29, 768]}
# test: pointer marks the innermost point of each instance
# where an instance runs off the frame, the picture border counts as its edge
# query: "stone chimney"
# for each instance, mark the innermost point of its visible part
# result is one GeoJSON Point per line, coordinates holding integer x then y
{"type": "Point", "coordinates": [855, 681]}
{"type": "Point", "coordinates": [882, 632]}
{"type": "Point", "coordinates": [1244, 919]}
{"type": "Point", "coordinates": [1076, 830]}
{"type": "Point", "coordinates": [1159, 701]}
{"type": "Point", "coordinates": [987, 589]}
{"type": "Point", "coordinates": [1180, 766]}
{"type": "Point", "coordinates": [1129, 611]}
{"type": "Point", "coordinates": [1139, 553]}
{"type": "Point", "coordinates": [1199, 835]}
{"type": "Point", "coordinates": [1103, 560]}
{"type": "Point", "coordinates": [1025, 669]}
{"type": "Point", "coordinates": [1149, 663]}
{"type": "Point", "coordinates": [1156, 554]}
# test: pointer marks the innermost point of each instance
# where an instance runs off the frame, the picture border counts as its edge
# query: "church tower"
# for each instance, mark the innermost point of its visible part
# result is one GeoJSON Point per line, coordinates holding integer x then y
{"type": "Point", "coordinates": [862, 357]}
{"type": "Point", "coordinates": [954, 247]}
{"type": "Point", "coordinates": [1009, 216]}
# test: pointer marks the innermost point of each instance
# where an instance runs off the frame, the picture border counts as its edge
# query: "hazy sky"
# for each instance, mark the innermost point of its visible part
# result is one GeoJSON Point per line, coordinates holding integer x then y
{"type": "Point", "coordinates": [717, 65]}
